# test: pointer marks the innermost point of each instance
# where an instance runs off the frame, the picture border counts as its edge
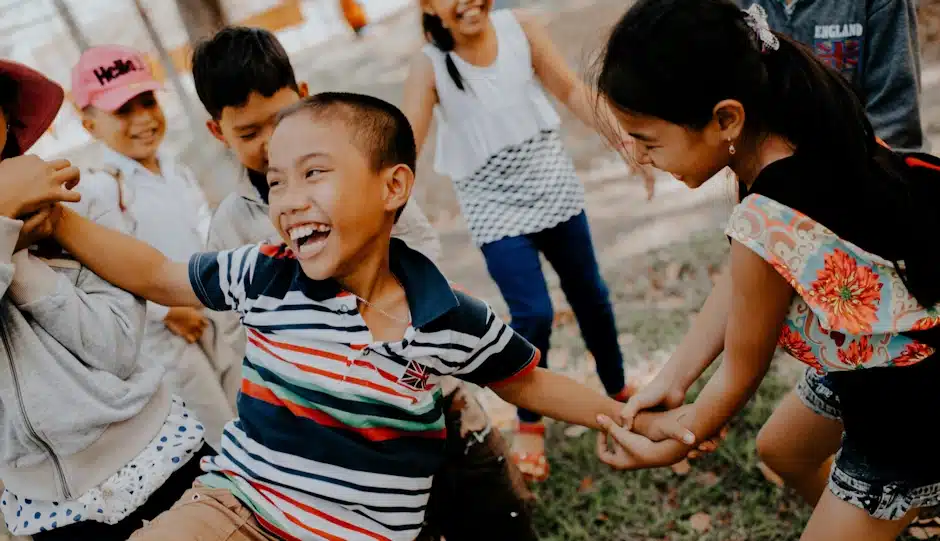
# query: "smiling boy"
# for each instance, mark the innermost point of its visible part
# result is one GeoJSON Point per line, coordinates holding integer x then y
{"type": "Point", "coordinates": [161, 204]}
{"type": "Point", "coordinates": [340, 426]}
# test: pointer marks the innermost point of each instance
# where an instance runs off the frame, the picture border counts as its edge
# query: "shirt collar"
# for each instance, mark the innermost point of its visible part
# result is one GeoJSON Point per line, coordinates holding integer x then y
{"type": "Point", "coordinates": [130, 167]}
{"type": "Point", "coordinates": [429, 293]}
{"type": "Point", "coordinates": [247, 189]}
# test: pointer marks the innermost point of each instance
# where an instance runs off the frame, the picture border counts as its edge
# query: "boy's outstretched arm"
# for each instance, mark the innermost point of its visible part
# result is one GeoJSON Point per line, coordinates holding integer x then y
{"type": "Point", "coordinates": [562, 398]}
{"type": "Point", "coordinates": [126, 262]}
{"type": "Point", "coordinates": [557, 396]}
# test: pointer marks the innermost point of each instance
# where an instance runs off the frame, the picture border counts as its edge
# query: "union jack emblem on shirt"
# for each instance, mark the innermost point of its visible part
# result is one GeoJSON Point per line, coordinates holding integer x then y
{"type": "Point", "coordinates": [415, 377]}
{"type": "Point", "coordinates": [841, 54]}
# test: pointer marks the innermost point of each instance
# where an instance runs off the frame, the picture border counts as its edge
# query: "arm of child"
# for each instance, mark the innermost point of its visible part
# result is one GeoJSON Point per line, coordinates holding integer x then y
{"type": "Point", "coordinates": [99, 323]}
{"type": "Point", "coordinates": [420, 98]}
{"type": "Point", "coordinates": [506, 362]}
{"type": "Point", "coordinates": [559, 397]}
{"type": "Point", "coordinates": [589, 107]}
{"type": "Point", "coordinates": [126, 262]}
{"type": "Point", "coordinates": [760, 299]}
{"type": "Point", "coordinates": [891, 85]}
{"type": "Point", "coordinates": [696, 352]}
{"type": "Point", "coordinates": [28, 184]}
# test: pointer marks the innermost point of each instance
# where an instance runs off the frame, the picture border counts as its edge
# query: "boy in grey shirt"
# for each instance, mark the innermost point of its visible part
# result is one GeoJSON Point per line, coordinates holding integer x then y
{"type": "Point", "coordinates": [874, 44]}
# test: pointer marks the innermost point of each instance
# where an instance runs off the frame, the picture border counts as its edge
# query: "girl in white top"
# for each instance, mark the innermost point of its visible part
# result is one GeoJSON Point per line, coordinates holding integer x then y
{"type": "Point", "coordinates": [483, 75]}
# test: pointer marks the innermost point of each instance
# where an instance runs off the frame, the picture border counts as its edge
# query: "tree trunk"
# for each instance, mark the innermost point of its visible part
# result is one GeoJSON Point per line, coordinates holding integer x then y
{"type": "Point", "coordinates": [202, 18]}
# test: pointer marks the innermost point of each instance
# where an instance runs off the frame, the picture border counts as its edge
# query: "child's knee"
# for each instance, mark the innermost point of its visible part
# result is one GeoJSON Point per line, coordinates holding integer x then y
{"type": "Point", "coordinates": [770, 449]}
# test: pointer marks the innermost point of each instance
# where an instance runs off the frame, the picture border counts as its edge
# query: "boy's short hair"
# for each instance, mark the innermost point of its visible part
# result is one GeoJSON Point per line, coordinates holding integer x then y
{"type": "Point", "coordinates": [379, 129]}
{"type": "Point", "coordinates": [237, 61]}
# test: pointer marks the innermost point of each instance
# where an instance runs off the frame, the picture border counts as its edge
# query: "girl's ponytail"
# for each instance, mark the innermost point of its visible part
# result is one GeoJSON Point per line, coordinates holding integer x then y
{"type": "Point", "coordinates": [441, 38]}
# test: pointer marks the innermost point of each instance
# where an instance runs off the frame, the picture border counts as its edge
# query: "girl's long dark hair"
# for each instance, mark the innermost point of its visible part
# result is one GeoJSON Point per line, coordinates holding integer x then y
{"type": "Point", "coordinates": [676, 59]}
{"type": "Point", "coordinates": [441, 38]}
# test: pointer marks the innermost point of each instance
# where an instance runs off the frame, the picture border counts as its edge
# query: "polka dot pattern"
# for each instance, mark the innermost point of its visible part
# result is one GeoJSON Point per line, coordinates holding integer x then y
{"type": "Point", "coordinates": [180, 437]}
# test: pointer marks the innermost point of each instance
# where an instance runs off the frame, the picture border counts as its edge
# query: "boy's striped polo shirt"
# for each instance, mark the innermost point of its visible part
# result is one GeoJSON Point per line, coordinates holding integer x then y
{"type": "Point", "coordinates": [338, 436]}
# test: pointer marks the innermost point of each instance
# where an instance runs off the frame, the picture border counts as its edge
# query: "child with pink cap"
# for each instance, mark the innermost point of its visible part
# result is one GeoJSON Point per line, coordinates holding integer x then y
{"type": "Point", "coordinates": [92, 442]}
{"type": "Point", "coordinates": [162, 205]}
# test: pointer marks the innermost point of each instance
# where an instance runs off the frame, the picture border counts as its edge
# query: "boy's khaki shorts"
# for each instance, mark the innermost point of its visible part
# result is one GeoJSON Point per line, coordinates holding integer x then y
{"type": "Point", "coordinates": [206, 514]}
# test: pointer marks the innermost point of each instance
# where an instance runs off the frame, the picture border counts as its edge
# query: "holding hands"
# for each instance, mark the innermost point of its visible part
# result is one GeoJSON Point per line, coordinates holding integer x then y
{"type": "Point", "coordinates": [655, 438]}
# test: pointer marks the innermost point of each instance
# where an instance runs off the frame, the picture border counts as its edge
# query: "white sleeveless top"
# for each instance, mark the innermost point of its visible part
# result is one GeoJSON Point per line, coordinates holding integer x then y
{"type": "Point", "coordinates": [498, 141]}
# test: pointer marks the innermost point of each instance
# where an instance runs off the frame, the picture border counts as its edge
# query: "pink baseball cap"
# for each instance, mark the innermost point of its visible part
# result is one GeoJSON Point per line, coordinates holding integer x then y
{"type": "Point", "coordinates": [37, 102]}
{"type": "Point", "coordinates": [109, 76]}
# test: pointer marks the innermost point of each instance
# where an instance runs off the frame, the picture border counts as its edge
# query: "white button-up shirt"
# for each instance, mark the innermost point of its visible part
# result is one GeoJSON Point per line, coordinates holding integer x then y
{"type": "Point", "coordinates": [167, 211]}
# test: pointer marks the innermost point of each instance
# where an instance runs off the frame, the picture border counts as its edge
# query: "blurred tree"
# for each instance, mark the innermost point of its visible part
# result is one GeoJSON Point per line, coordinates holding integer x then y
{"type": "Point", "coordinates": [201, 17]}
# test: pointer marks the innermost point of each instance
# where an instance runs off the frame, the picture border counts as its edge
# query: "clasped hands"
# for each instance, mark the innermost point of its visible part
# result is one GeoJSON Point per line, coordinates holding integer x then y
{"type": "Point", "coordinates": [652, 430]}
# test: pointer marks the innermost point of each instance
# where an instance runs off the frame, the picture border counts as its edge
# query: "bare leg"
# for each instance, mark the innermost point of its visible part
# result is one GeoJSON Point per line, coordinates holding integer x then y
{"type": "Point", "coordinates": [798, 445]}
{"type": "Point", "coordinates": [836, 520]}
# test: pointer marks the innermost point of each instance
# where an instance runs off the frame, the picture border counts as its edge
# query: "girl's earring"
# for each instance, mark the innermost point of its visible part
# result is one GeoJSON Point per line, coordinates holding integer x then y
{"type": "Point", "coordinates": [731, 149]}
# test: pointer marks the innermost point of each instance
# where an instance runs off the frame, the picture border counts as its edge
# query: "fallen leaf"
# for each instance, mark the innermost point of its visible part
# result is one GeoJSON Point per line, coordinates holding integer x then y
{"type": "Point", "coordinates": [672, 499]}
{"type": "Point", "coordinates": [575, 431]}
{"type": "Point", "coordinates": [587, 485]}
{"type": "Point", "coordinates": [708, 478]}
{"type": "Point", "coordinates": [769, 474]}
{"type": "Point", "coordinates": [602, 517]}
{"type": "Point", "coordinates": [700, 522]}
{"type": "Point", "coordinates": [681, 468]}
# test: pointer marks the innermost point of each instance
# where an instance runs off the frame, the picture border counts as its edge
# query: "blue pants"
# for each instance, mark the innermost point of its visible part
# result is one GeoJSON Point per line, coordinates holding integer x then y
{"type": "Point", "coordinates": [514, 264]}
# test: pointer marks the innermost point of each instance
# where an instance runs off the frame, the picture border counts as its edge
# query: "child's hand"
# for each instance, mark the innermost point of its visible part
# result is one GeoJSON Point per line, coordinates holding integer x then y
{"type": "Point", "coordinates": [186, 322]}
{"type": "Point", "coordinates": [669, 425]}
{"type": "Point", "coordinates": [632, 451]}
{"type": "Point", "coordinates": [661, 392]}
{"type": "Point", "coordinates": [38, 227]}
{"type": "Point", "coordinates": [666, 425]}
{"type": "Point", "coordinates": [28, 183]}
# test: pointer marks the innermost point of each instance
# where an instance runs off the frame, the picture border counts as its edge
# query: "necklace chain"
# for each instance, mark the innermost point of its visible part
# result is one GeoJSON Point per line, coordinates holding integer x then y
{"type": "Point", "coordinates": [383, 312]}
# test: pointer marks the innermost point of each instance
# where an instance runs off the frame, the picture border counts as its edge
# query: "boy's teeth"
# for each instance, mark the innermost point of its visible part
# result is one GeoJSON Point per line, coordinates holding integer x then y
{"type": "Point", "coordinates": [300, 232]}
{"type": "Point", "coordinates": [307, 230]}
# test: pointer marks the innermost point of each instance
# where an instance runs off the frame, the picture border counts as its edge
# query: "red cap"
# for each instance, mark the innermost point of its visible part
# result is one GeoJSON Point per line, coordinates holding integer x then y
{"type": "Point", "coordinates": [38, 100]}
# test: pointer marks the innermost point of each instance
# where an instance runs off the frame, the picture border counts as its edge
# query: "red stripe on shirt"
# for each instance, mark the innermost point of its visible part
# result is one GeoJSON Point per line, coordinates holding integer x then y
{"type": "Point", "coordinates": [526, 370]}
{"type": "Point", "coordinates": [336, 377]}
{"type": "Point", "coordinates": [322, 418]}
{"type": "Point", "coordinates": [263, 489]}
{"type": "Point", "coordinates": [388, 376]}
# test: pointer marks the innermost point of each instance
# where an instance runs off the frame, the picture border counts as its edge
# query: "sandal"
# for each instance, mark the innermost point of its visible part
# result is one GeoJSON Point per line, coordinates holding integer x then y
{"type": "Point", "coordinates": [533, 466]}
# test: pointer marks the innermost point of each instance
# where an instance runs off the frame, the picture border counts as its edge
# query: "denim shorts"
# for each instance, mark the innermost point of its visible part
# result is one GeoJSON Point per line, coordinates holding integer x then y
{"type": "Point", "coordinates": [875, 485]}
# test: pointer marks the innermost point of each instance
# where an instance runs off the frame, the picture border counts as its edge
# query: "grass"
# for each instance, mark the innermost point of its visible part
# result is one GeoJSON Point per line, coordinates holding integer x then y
{"type": "Point", "coordinates": [586, 500]}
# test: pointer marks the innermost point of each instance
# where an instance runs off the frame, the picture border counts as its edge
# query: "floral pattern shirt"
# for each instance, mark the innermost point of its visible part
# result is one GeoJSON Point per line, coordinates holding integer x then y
{"type": "Point", "coordinates": [851, 306]}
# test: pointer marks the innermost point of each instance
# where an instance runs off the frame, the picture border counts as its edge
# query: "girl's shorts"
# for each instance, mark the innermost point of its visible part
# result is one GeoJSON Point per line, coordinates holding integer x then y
{"type": "Point", "coordinates": [874, 469]}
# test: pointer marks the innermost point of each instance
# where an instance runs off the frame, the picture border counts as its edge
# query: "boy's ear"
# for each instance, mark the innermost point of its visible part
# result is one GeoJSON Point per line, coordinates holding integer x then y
{"type": "Point", "coordinates": [88, 121]}
{"type": "Point", "coordinates": [399, 181]}
{"type": "Point", "coordinates": [303, 89]}
{"type": "Point", "coordinates": [213, 126]}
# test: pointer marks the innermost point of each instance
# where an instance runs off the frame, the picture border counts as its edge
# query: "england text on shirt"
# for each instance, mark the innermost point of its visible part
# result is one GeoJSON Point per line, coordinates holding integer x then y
{"type": "Point", "coordinates": [338, 436]}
